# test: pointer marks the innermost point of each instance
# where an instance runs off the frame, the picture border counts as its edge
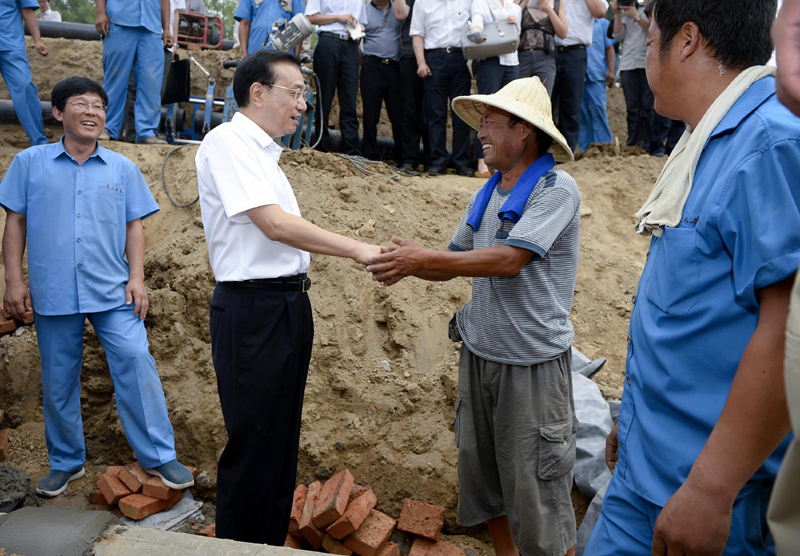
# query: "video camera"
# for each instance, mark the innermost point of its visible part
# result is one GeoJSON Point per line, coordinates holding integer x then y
{"type": "Point", "coordinates": [286, 35]}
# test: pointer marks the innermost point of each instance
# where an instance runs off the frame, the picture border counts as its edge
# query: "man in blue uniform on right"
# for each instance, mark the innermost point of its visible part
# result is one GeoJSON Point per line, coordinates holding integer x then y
{"type": "Point", "coordinates": [256, 17]}
{"type": "Point", "coordinates": [703, 424]}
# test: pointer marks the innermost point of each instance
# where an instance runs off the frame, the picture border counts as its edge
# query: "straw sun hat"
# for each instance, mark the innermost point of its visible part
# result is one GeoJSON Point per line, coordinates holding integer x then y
{"type": "Point", "coordinates": [526, 98]}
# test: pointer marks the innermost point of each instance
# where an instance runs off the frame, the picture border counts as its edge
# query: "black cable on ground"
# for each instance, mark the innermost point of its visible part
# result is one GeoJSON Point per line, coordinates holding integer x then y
{"type": "Point", "coordinates": [164, 179]}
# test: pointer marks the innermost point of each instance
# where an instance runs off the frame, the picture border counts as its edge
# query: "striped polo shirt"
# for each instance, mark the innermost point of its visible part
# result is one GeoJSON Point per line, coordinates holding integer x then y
{"type": "Point", "coordinates": [524, 319]}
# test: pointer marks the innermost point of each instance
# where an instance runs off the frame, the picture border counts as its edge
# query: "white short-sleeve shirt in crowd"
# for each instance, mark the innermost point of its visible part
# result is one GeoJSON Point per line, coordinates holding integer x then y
{"type": "Point", "coordinates": [580, 24]}
{"type": "Point", "coordinates": [484, 12]}
{"type": "Point", "coordinates": [179, 5]}
{"type": "Point", "coordinates": [440, 22]}
{"type": "Point", "coordinates": [237, 170]}
{"type": "Point", "coordinates": [50, 15]}
{"type": "Point", "coordinates": [337, 7]}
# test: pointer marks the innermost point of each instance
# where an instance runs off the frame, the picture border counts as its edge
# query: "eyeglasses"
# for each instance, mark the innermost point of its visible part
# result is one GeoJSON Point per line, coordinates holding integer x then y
{"type": "Point", "coordinates": [82, 106]}
{"type": "Point", "coordinates": [298, 93]}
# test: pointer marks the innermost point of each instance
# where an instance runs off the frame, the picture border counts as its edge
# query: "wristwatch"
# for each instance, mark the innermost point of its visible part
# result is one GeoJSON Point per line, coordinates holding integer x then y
{"type": "Point", "coordinates": [638, 17]}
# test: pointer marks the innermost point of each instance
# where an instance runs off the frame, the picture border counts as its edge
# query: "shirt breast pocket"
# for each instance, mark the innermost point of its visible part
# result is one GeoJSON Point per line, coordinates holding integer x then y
{"type": "Point", "coordinates": [105, 205]}
{"type": "Point", "coordinates": [675, 278]}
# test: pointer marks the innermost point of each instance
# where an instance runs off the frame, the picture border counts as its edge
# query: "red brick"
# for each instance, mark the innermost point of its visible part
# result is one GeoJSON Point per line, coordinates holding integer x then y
{"type": "Point", "coordinates": [192, 470]}
{"type": "Point", "coordinates": [139, 506]}
{"type": "Point", "coordinates": [357, 491]}
{"type": "Point", "coordinates": [298, 503]}
{"type": "Point", "coordinates": [292, 542]}
{"type": "Point", "coordinates": [210, 531]}
{"type": "Point", "coordinates": [333, 499]}
{"type": "Point", "coordinates": [310, 533]}
{"type": "Point", "coordinates": [155, 488]}
{"type": "Point", "coordinates": [97, 498]}
{"type": "Point", "coordinates": [373, 532]}
{"type": "Point", "coordinates": [7, 325]}
{"type": "Point", "coordinates": [113, 470]}
{"type": "Point", "coordinates": [5, 313]}
{"type": "Point", "coordinates": [112, 488]}
{"type": "Point", "coordinates": [389, 549]}
{"type": "Point", "coordinates": [133, 476]}
{"type": "Point", "coordinates": [3, 444]}
{"type": "Point", "coordinates": [334, 546]}
{"type": "Point", "coordinates": [421, 519]}
{"type": "Point", "coordinates": [424, 547]}
{"type": "Point", "coordinates": [28, 318]}
{"type": "Point", "coordinates": [353, 516]}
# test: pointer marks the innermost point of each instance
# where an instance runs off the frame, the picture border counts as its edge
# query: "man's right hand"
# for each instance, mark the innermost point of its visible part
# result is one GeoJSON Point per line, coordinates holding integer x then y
{"type": "Point", "coordinates": [102, 24]}
{"type": "Point", "coordinates": [347, 19]}
{"type": "Point", "coordinates": [366, 252]}
{"type": "Point", "coordinates": [17, 300]}
{"type": "Point", "coordinates": [423, 70]}
{"type": "Point", "coordinates": [612, 449]}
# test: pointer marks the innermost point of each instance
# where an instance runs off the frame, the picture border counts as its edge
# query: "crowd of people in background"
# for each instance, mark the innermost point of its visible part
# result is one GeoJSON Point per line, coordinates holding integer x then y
{"type": "Point", "coordinates": [408, 60]}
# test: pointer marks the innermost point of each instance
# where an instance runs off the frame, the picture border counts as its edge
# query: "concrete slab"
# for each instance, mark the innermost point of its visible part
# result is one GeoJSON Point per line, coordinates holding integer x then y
{"type": "Point", "coordinates": [49, 531]}
{"type": "Point", "coordinates": [136, 541]}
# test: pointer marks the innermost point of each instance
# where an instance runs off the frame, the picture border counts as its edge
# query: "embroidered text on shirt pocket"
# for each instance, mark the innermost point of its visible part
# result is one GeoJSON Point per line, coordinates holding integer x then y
{"type": "Point", "coordinates": [675, 277]}
{"type": "Point", "coordinates": [105, 205]}
{"type": "Point", "coordinates": [556, 449]}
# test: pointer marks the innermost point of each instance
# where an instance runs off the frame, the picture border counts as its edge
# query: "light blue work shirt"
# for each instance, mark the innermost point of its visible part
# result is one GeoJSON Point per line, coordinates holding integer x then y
{"type": "Point", "coordinates": [596, 62]}
{"type": "Point", "coordinates": [12, 36]}
{"type": "Point", "coordinates": [262, 17]}
{"type": "Point", "coordinates": [696, 307]}
{"type": "Point", "coordinates": [383, 33]}
{"type": "Point", "coordinates": [76, 225]}
{"type": "Point", "coordinates": [135, 13]}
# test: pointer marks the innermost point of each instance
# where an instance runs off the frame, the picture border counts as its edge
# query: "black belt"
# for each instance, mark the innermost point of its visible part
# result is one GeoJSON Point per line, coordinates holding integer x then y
{"type": "Point", "coordinates": [335, 36]}
{"type": "Point", "coordinates": [386, 61]}
{"type": "Point", "coordinates": [572, 47]}
{"type": "Point", "coordinates": [447, 49]}
{"type": "Point", "coordinates": [298, 283]}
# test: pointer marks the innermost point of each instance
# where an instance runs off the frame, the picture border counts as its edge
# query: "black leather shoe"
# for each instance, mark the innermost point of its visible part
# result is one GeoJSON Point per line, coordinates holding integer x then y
{"type": "Point", "coordinates": [465, 171]}
{"type": "Point", "coordinates": [437, 170]}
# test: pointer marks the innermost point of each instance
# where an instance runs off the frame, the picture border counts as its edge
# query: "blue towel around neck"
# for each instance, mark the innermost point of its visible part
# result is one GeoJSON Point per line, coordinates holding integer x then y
{"type": "Point", "coordinates": [515, 204]}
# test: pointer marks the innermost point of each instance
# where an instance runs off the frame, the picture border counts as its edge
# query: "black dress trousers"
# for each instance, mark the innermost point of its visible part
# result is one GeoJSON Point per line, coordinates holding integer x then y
{"type": "Point", "coordinates": [261, 348]}
{"type": "Point", "coordinates": [380, 83]}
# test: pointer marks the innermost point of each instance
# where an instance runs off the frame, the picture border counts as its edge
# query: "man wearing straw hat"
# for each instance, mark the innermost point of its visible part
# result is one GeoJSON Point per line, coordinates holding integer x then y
{"type": "Point", "coordinates": [703, 424]}
{"type": "Point", "coordinates": [515, 418]}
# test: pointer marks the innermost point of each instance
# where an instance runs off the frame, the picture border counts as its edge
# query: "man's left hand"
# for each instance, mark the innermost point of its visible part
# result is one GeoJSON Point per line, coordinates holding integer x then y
{"type": "Point", "coordinates": [395, 263]}
{"type": "Point", "coordinates": [693, 522]}
{"type": "Point", "coordinates": [610, 79]}
{"type": "Point", "coordinates": [630, 11]}
{"type": "Point", "coordinates": [136, 293]}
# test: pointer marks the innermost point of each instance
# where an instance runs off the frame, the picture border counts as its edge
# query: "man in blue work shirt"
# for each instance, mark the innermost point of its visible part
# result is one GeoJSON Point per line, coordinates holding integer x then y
{"type": "Point", "coordinates": [133, 35]}
{"type": "Point", "coordinates": [599, 75]}
{"type": "Point", "coordinates": [80, 208]}
{"type": "Point", "coordinates": [256, 17]}
{"type": "Point", "coordinates": [14, 64]}
{"type": "Point", "coordinates": [703, 424]}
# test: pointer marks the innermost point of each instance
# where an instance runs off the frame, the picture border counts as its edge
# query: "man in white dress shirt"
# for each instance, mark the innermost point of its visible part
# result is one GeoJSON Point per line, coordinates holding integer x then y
{"type": "Point", "coordinates": [261, 323]}
{"type": "Point", "coordinates": [436, 27]}
{"type": "Point", "coordinates": [45, 13]}
{"type": "Point", "coordinates": [571, 60]}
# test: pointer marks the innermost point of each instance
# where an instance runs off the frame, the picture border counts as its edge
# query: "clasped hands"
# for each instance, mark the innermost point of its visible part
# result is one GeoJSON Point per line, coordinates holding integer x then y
{"type": "Point", "coordinates": [395, 262]}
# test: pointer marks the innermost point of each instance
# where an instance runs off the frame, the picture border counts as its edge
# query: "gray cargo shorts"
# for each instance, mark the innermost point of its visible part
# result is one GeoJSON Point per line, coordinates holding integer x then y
{"type": "Point", "coordinates": [515, 432]}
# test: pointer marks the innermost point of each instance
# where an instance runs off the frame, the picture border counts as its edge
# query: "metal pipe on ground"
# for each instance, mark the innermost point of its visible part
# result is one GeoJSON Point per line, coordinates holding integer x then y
{"type": "Point", "coordinates": [81, 31]}
{"type": "Point", "coordinates": [48, 531]}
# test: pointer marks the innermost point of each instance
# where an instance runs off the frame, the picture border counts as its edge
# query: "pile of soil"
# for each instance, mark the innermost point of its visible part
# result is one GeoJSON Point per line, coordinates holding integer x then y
{"type": "Point", "coordinates": [383, 374]}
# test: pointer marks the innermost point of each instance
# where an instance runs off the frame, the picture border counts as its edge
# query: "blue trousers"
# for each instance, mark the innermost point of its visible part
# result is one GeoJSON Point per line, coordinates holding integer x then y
{"type": "Point", "coordinates": [594, 118]}
{"type": "Point", "coordinates": [568, 93]}
{"type": "Point", "coordinates": [141, 405]}
{"type": "Point", "coordinates": [137, 49]}
{"type": "Point", "coordinates": [626, 523]}
{"type": "Point", "coordinates": [449, 79]}
{"type": "Point", "coordinates": [17, 74]}
{"type": "Point", "coordinates": [492, 77]}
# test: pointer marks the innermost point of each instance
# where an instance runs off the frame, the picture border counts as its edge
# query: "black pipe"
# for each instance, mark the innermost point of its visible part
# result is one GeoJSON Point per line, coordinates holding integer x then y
{"type": "Point", "coordinates": [81, 31]}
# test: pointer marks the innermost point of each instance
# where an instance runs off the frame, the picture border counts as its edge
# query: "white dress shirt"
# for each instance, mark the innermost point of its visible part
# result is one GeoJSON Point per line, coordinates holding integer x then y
{"type": "Point", "coordinates": [50, 15]}
{"type": "Point", "coordinates": [174, 5]}
{"type": "Point", "coordinates": [440, 22]}
{"type": "Point", "coordinates": [580, 24]}
{"type": "Point", "coordinates": [337, 7]}
{"type": "Point", "coordinates": [484, 11]}
{"type": "Point", "coordinates": [237, 170]}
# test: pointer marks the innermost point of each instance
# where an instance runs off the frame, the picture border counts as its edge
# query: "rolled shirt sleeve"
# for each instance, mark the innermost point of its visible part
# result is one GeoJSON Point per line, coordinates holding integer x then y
{"type": "Point", "coordinates": [244, 11]}
{"type": "Point", "coordinates": [417, 19]}
{"type": "Point", "coordinates": [14, 187]}
{"type": "Point", "coordinates": [139, 200]}
{"type": "Point", "coordinates": [462, 239]}
{"type": "Point", "coordinates": [759, 220]}
{"type": "Point", "coordinates": [313, 7]}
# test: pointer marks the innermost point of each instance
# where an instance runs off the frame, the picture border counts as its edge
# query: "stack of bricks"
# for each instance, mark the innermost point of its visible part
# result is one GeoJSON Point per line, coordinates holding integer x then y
{"type": "Point", "coordinates": [137, 493]}
{"type": "Point", "coordinates": [9, 324]}
{"type": "Point", "coordinates": [340, 517]}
